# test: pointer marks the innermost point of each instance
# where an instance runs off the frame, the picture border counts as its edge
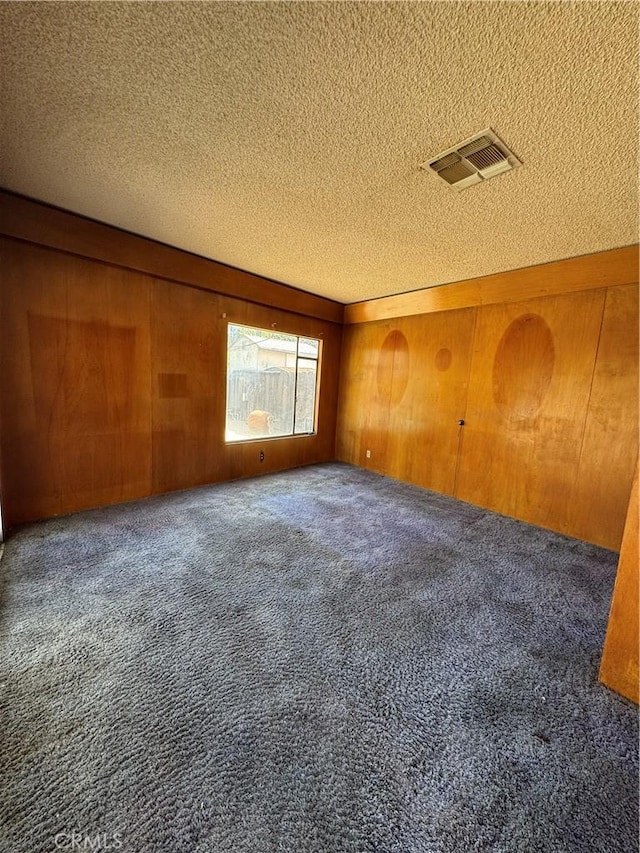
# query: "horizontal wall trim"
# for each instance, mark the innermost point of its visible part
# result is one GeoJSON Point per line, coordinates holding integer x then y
{"type": "Point", "coordinates": [587, 272]}
{"type": "Point", "coordinates": [35, 222]}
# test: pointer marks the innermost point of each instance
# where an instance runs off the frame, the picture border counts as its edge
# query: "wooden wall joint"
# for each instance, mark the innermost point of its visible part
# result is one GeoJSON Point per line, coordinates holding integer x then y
{"type": "Point", "coordinates": [571, 275]}
{"type": "Point", "coordinates": [33, 222]}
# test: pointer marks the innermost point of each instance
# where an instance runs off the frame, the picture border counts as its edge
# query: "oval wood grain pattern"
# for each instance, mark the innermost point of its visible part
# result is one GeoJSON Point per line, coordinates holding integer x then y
{"type": "Point", "coordinates": [569, 468]}
{"type": "Point", "coordinates": [364, 413]}
{"type": "Point", "coordinates": [443, 359]}
{"type": "Point", "coordinates": [526, 466]}
{"type": "Point", "coordinates": [415, 438]}
{"type": "Point", "coordinates": [523, 367]}
{"type": "Point", "coordinates": [393, 367]}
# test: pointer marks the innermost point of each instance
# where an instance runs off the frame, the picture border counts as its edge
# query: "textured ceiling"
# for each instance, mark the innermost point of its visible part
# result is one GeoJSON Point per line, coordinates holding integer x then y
{"type": "Point", "coordinates": [285, 138]}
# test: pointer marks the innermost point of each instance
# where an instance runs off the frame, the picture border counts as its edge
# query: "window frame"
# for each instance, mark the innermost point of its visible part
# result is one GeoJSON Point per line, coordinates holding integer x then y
{"type": "Point", "coordinates": [316, 407]}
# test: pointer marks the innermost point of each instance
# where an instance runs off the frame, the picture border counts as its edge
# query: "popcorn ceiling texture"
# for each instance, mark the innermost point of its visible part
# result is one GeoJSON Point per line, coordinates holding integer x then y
{"type": "Point", "coordinates": [285, 138]}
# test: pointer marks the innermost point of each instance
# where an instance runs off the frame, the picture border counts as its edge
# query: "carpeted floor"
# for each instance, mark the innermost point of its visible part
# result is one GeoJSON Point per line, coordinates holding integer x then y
{"type": "Point", "coordinates": [319, 660]}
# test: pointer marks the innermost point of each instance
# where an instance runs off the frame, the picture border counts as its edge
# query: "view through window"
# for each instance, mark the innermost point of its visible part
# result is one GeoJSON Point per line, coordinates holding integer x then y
{"type": "Point", "coordinates": [272, 383]}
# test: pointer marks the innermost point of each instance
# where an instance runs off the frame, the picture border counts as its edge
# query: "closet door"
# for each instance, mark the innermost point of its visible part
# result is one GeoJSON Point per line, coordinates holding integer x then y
{"type": "Point", "coordinates": [430, 386]}
{"type": "Point", "coordinates": [404, 389]}
{"type": "Point", "coordinates": [531, 374]}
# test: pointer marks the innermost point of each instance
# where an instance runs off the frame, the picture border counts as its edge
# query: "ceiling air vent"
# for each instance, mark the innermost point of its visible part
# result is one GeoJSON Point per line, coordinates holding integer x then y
{"type": "Point", "coordinates": [479, 158]}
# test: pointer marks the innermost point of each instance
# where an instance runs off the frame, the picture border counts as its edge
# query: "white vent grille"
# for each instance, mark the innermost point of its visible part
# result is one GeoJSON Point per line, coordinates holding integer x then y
{"type": "Point", "coordinates": [477, 159]}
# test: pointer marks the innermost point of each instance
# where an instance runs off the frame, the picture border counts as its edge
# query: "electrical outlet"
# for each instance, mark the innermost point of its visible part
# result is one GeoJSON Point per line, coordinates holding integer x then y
{"type": "Point", "coordinates": [368, 454]}
{"type": "Point", "coordinates": [262, 455]}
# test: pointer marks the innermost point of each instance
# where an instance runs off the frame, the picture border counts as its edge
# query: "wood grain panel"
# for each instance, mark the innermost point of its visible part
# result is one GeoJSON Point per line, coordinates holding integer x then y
{"type": "Point", "coordinates": [424, 424]}
{"type": "Point", "coordinates": [242, 460]}
{"type": "Point", "coordinates": [114, 385]}
{"type": "Point", "coordinates": [602, 269]}
{"type": "Point", "coordinates": [41, 224]}
{"type": "Point", "coordinates": [610, 443]}
{"type": "Point", "coordinates": [189, 333]}
{"type": "Point", "coordinates": [188, 387]}
{"type": "Point", "coordinates": [523, 367]}
{"type": "Point", "coordinates": [529, 389]}
{"type": "Point", "coordinates": [619, 666]}
{"type": "Point", "coordinates": [364, 401]}
{"type": "Point", "coordinates": [75, 391]}
{"type": "Point", "coordinates": [403, 391]}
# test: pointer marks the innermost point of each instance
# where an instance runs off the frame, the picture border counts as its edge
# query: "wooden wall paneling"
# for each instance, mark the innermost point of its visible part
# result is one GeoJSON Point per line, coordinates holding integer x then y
{"type": "Point", "coordinates": [602, 269]}
{"type": "Point", "coordinates": [404, 387]}
{"type": "Point", "coordinates": [365, 394]}
{"type": "Point", "coordinates": [619, 666]}
{"type": "Point", "coordinates": [75, 392]}
{"type": "Point", "coordinates": [610, 444]}
{"type": "Point", "coordinates": [41, 224]}
{"type": "Point", "coordinates": [530, 378]}
{"type": "Point", "coordinates": [32, 475]}
{"type": "Point", "coordinates": [350, 413]}
{"type": "Point", "coordinates": [114, 385]}
{"type": "Point", "coordinates": [188, 387]}
{"type": "Point", "coordinates": [429, 397]}
{"type": "Point", "coordinates": [3, 522]}
{"type": "Point", "coordinates": [392, 378]}
{"type": "Point", "coordinates": [242, 459]}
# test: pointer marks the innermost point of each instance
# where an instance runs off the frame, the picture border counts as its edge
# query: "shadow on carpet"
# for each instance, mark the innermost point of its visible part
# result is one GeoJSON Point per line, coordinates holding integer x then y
{"type": "Point", "coordinates": [318, 660]}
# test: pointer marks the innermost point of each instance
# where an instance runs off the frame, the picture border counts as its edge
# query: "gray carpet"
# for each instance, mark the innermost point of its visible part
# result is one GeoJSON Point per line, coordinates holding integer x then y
{"type": "Point", "coordinates": [318, 660]}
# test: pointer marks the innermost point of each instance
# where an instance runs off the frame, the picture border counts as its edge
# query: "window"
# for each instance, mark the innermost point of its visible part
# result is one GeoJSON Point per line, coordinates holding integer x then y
{"type": "Point", "coordinates": [272, 381]}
